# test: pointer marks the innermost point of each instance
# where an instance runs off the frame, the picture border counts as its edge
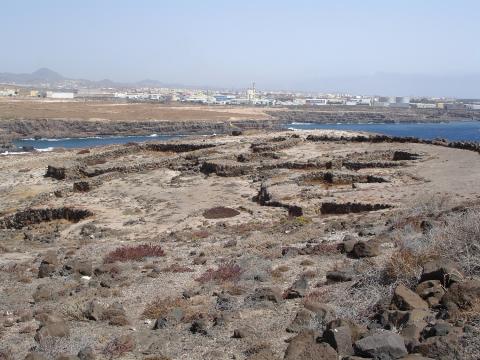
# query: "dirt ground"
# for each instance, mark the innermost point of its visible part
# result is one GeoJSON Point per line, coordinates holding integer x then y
{"type": "Point", "coordinates": [145, 195]}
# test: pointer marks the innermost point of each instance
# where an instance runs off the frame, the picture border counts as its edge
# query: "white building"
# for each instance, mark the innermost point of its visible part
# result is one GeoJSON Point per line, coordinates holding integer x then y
{"type": "Point", "coordinates": [316, 102]}
{"type": "Point", "coordinates": [8, 92]}
{"type": "Point", "coordinates": [60, 95]}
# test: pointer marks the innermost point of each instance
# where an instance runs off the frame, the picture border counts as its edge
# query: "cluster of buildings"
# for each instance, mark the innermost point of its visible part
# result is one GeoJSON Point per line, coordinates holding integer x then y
{"type": "Point", "coordinates": [248, 97]}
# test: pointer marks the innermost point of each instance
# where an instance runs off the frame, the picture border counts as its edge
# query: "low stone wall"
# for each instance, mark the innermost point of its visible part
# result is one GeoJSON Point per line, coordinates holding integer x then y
{"type": "Point", "coordinates": [36, 216]}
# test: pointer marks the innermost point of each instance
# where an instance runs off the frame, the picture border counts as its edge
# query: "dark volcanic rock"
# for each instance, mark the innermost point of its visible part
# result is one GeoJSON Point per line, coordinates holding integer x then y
{"type": "Point", "coordinates": [347, 208]}
{"type": "Point", "coordinates": [384, 345]}
{"type": "Point", "coordinates": [406, 299]}
{"type": "Point", "coordinates": [365, 249]}
{"type": "Point", "coordinates": [444, 271]}
{"type": "Point", "coordinates": [340, 338]}
{"type": "Point", "coordinates": [304, 346]}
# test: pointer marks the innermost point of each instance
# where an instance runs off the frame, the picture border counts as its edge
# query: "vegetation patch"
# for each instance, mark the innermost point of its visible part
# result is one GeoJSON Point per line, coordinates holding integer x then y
{"type": "Point", "coordinates": [133, 253]}
{"type": "Point", "coordinates": [224, 273]}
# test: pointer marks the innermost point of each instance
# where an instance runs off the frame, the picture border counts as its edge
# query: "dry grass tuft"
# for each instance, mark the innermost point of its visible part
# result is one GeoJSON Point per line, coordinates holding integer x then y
{"type": "Point", "coordinates": [177, 268]}
{"type": "Point", "coordinates": [134, 253]}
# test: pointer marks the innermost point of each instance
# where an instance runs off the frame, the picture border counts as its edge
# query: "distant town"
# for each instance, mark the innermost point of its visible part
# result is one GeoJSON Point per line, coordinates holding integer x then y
{"type": "Point", "coordinates": [250, 96]}
{"type": "Point", "coordinates": [47, 84]}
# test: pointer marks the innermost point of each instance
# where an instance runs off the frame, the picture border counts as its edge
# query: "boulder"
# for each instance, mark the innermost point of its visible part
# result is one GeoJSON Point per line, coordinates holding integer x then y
{"type": "Point", "coordinates": [198, 327]}
{"type": "Point", "coordinates": [383, 345]}
{"type": "Point", "coordinates": [398, 318]}
{"type": "Point", "coordinates": [444, 271]}
{"type": "Point", "coordinates": [51, 326]}
{"type": "Point", "coordinates": [365, 249]}
{"type": "Point", "coordinates": [406, 299]}
{"type": "Point", "coordinates": [338, 276]}
{"type": "Point", "coordinates": [304, 346]}
{"type": "Point", "coordinates": [243, 332]}
{"type": "Point", "coordinates": [272, 294]}
{"type": "Point", "coordinates": [439, 329]}
{"type": "Point", "coordinates": [323, 312]}
{"type": "Point", "coordinates": [298, 288]}
{"type": "Point", "coordinates": [340, 338]}
{"type": "Point", "coordinates": [440, 347]}
{"type": "Point", "coordinates": [48, 265]}
{"type": "Point", "coordinates": [94, 310]}
{"type": "Point", "coordinates": [347, 246]}
{"type": "Point", "coordinates": [304, 320]}
{"type": "Point", "coordinates": [44, 292]}
{"type": "Point", "coordinates": [115, 315]}
{"type": "Point", "coordinates": [86, 353]}
{"type": "Point", "coordinates": [356, 331]}
{"type": "Point", "coordinates": [464, 295]}
{"type": "Point", "coordinates": [431, 291]}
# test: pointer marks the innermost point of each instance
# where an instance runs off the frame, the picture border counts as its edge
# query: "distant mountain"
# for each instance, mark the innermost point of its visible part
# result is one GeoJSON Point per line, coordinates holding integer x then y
{"type": "Point", "coordinates": [49, 78]}
{"type": "Point", "coordinates": [40, 76]}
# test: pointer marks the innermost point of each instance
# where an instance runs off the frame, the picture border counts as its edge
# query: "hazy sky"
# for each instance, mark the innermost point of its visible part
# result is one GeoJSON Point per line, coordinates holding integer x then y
{"type": "Point", "coordinates": [279, 44]}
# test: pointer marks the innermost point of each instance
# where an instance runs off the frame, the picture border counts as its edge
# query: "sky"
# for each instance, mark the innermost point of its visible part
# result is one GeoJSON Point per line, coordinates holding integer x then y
{"type": "Point", "coordinates": [303, 44]}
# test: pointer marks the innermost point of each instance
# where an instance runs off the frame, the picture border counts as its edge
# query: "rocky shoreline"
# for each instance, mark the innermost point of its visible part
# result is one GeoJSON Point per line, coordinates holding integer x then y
{"type": "Point", "coordinates": [14, 129]}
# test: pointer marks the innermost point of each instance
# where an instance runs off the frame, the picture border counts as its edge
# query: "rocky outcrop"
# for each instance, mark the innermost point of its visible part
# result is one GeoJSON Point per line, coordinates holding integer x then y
{"type": "Point", "coordinates": [61, 128]}
{"type": "Point", "coordinates": [36, 216]}
{"type": "Point", "coordinates": [359, 115]}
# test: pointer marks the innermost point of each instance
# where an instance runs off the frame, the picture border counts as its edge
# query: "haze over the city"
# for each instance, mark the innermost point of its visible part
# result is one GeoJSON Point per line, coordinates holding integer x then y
{"type": "Point", "coordinates": [369, 47]}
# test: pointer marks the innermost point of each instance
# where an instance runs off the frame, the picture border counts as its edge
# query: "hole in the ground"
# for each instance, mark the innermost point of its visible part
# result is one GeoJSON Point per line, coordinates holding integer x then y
{"type": "Point", "coordinates": [220, 212]}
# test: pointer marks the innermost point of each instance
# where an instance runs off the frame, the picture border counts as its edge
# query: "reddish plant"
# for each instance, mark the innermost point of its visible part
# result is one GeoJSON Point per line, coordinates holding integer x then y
{"type": "Point", "coordinates": [133, 253]}
{"type": "Point", "coordinates": [225, 272]}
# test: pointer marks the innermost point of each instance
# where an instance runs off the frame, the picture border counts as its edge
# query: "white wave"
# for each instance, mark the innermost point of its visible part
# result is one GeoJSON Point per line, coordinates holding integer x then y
{"type": "Point", "coordinates": [14, 153]}
{"type": "Point", "coordinates": [45, 149]}
{"type": "Point", "coordinates": [153, 135]}
{"type": "Point", "coordinates": [295, 129]}
{"type": "Point", "coordinates": [301, 123]}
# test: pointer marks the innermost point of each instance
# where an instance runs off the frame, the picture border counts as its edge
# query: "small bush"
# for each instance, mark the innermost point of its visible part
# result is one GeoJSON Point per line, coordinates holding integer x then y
{"type": "Point", "coordinates": [225, 272]}
{"type": "Point", "coordinates": [134, 253]}
{"type": "Point", "coordinates": [325, 248]}
{"type": "Point", "coordinates": [162, 307]}
{"type": "Point", "coordinates": [117, 347]}
{"type": "Point", "coordinates": [405, 266]}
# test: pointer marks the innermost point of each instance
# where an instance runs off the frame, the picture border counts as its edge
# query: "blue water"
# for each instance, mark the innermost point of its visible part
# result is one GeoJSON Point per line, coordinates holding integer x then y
{"type": "Point", "coordinates": [452, 131]}
{"type": "Point", "coordinates": [88, 142]}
